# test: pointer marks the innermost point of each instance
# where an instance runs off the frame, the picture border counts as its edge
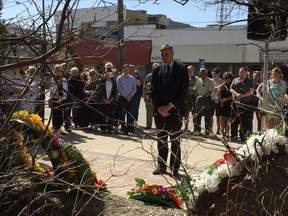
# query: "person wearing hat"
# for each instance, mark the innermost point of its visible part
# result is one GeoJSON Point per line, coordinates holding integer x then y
{"type": "Point", "coordinates": [214, 96]}
{"type": "Point", "coordinates": [169, 88]}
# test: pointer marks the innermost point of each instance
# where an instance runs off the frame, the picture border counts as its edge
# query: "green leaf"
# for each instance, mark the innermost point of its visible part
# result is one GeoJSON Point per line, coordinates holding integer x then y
{"type": "Point", "coordinates": [139, 182]}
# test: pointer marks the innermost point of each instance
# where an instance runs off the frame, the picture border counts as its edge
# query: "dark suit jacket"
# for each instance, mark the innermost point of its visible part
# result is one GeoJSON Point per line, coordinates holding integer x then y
{"type": "Point", "coordinates": [101, 92]}
{"type": "Point", "coordinates": [174, 91]}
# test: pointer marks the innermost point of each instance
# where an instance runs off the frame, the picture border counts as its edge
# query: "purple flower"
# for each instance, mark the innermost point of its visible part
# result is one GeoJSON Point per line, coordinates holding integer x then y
{"type": "Point", "coordinates": [56, 141]}
{"type": "Point", "coordinates": [162, 190]}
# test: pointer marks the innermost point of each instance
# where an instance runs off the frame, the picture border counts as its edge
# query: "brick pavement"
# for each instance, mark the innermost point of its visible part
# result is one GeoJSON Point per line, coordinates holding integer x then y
{"type": "Point", "coordinates": [119, 159]}
{"type": "Point", "coordinates": [120, 172]}
{"type": "Point", "coordinates": [131, 161]}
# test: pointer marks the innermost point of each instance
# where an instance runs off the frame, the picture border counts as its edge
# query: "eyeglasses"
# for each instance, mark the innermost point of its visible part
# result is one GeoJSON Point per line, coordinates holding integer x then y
{"type": "Point", "coordinates": [225, 78]}
{"type": "Point", "coordinates": [91, 74]}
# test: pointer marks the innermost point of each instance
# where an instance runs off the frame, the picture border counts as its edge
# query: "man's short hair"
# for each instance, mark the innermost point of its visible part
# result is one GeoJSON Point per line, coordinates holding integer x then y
{"type": "Point", "coordinates": [166, 46]}
{"type": "Point", "coordinates": [108, 64]}
{"type": "Point", "coordinates": [216, 70]}
{"type": "Point", "coordinates": [74, 69]}
{"type": "Point", "coordinates": [125, 65]}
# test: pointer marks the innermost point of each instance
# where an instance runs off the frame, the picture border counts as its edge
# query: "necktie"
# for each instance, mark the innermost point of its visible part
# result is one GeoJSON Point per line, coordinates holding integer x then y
{"type": "Point", "coordinates": [167, 73]}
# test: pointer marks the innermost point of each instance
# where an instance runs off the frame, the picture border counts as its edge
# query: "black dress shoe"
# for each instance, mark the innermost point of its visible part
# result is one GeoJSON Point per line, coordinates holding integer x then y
{"type": "Point", "coordinates": [159, 171]}
{"type": "Point", "coordinates": [175, 173]}
{"type": "Point", "coordinates": [147, 128]}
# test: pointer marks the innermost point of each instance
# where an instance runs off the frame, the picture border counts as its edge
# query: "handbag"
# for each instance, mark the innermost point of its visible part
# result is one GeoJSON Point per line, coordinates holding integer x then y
{"type": "Point", "coordinates": [50, 102]}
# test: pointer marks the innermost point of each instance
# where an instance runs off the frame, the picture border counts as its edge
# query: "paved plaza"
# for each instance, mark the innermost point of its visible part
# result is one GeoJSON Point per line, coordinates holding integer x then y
{"type": "Point", "coordinates": [119, 159]}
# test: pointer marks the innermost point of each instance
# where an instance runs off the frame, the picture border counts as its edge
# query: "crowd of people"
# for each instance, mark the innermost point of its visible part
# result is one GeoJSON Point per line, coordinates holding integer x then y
{"type": "Point", "coordinates": [107, 99]}
{"type": "Point", "coordinates": [94, 99]}
{"type": "Point", "coordinates": [234, 100]}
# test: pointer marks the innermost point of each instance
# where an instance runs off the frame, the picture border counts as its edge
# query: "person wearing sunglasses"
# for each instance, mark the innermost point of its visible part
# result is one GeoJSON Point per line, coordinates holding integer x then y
{"type": "Point", "coordinates": [225, 99]}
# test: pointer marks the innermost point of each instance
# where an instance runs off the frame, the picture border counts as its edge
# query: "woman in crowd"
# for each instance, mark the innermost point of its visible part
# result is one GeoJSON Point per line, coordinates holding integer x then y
{"type": "Point", "coordinates": [106, 100]}
{"type": "Point", "coordinates": [225, 98]}
{"type": "Point", "coordinates": [276, 89]}
{"type": "Point", "coordinates": [58, 98]}
{"type": "Point", "coordinates": [91, 91]}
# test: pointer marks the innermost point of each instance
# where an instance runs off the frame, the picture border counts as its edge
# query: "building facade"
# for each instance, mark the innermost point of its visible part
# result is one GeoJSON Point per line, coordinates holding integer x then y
{"type": "Point", "coordinates": [228, 48]}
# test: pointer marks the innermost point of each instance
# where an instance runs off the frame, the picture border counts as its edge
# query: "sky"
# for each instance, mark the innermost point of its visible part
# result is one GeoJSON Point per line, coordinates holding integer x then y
{"type": "Point", "coordinates": [192, 13]}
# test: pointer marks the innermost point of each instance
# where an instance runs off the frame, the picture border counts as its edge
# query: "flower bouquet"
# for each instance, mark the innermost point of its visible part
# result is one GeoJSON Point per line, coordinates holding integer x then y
{"type": "Point", "coordinates": [155, 194]}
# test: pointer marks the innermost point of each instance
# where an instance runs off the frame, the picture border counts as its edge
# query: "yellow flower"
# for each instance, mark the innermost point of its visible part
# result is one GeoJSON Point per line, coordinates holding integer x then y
{"type": "Point", "coordinates": [35, 119]}
{"type": "Point", "coordinates": [20, 139]}
{"type": "Point", "coordinates": [23, 152]}
{"type": "Point", "coordinates": [39, 168]}
{"type": "Point", "coordinates": [32, 119]}
{"type": "Point", "coordinates": [28, 161]}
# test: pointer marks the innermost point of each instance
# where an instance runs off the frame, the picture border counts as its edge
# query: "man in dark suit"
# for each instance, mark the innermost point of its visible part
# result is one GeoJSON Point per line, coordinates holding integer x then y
{"type": "Point", "coordinates": [169, 89]}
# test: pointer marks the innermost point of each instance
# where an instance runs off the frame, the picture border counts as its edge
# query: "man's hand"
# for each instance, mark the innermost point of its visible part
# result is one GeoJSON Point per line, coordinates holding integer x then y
{"type": "Point", "coordinates": [164, 110]}
{"type": "Point", "coordinates": [128, 98]}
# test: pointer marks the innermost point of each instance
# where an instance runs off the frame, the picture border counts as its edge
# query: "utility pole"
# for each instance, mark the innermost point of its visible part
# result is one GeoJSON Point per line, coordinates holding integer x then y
{"type": "Point", "coordinates": [120, 34]}
{"type": "Point", "coordinates": [41, 111]}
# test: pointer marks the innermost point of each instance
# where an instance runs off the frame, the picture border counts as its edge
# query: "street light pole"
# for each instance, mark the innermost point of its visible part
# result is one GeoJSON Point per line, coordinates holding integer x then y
{"type": "Point", "coordinates": [120, 35]}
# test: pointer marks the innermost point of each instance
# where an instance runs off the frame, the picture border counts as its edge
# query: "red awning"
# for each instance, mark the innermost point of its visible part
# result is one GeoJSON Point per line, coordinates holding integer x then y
{"type": "Point", "coordinates": [94, 53]}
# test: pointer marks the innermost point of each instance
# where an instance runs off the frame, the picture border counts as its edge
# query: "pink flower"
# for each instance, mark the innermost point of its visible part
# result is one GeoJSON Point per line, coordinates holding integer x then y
{"type": "Point", "coordinates": [137, 190]}
{"type": "Point", "coordinates": [162, 190]}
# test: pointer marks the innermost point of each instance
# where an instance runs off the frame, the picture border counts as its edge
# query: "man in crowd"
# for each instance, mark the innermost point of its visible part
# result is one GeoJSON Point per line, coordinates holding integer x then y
{"type": "Point", "coordinates": [126, 87]}
{"type": "Point", "coordinates": [169, 89]}
{"type": "Point", "coordinates": [204, 105]}
{"type": "Point", "coordinates": [242, 89]}
{"type": "Point", "coordinates": [190, 98]}
{"type": "Point", "coordinates": [147, 99]}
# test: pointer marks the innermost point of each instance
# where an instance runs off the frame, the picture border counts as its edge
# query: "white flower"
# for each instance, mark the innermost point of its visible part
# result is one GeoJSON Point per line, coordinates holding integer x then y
{"type": "Point", "coordinates": [286, 147]}
{"type": "Point", "coordinates": [211, 182]}
{"type": "Point", "coordinates": [236, 170]}
{"type": "Point", "coordinates": [256, 146]}
{"type": "Point", "coordinates": [222, 171]}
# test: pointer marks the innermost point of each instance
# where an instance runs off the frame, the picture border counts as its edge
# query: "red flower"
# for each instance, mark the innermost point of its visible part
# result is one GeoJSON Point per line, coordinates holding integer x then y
{"type": "Point", "coordinates": [227, 155]}
{"type": "Point", "coordinates": [172, 191]}
{"type": "Point", "coordinates": [51, 170]}
{"type": "Point", "coordinates": [176, 201]}
{"type": "Point", "coordinates": [219, 161]}
{"type": "Point", "coordinates": [100, 182]}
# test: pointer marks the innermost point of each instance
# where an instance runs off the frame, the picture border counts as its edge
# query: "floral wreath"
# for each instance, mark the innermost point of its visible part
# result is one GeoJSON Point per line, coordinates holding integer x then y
{"type": "Point", "coordinates": [221, 177]}
{"type": "Point", "coordinates": [68, 163]}
{"type": "Point", "coordinates": [199, 193]}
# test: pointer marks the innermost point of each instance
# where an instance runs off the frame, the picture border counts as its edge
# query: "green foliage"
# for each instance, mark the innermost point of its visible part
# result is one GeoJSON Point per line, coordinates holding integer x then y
{"type": "Point", "coordinates": [80, 166]}
{"type": "Point", "coordinates": [139, 182]}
